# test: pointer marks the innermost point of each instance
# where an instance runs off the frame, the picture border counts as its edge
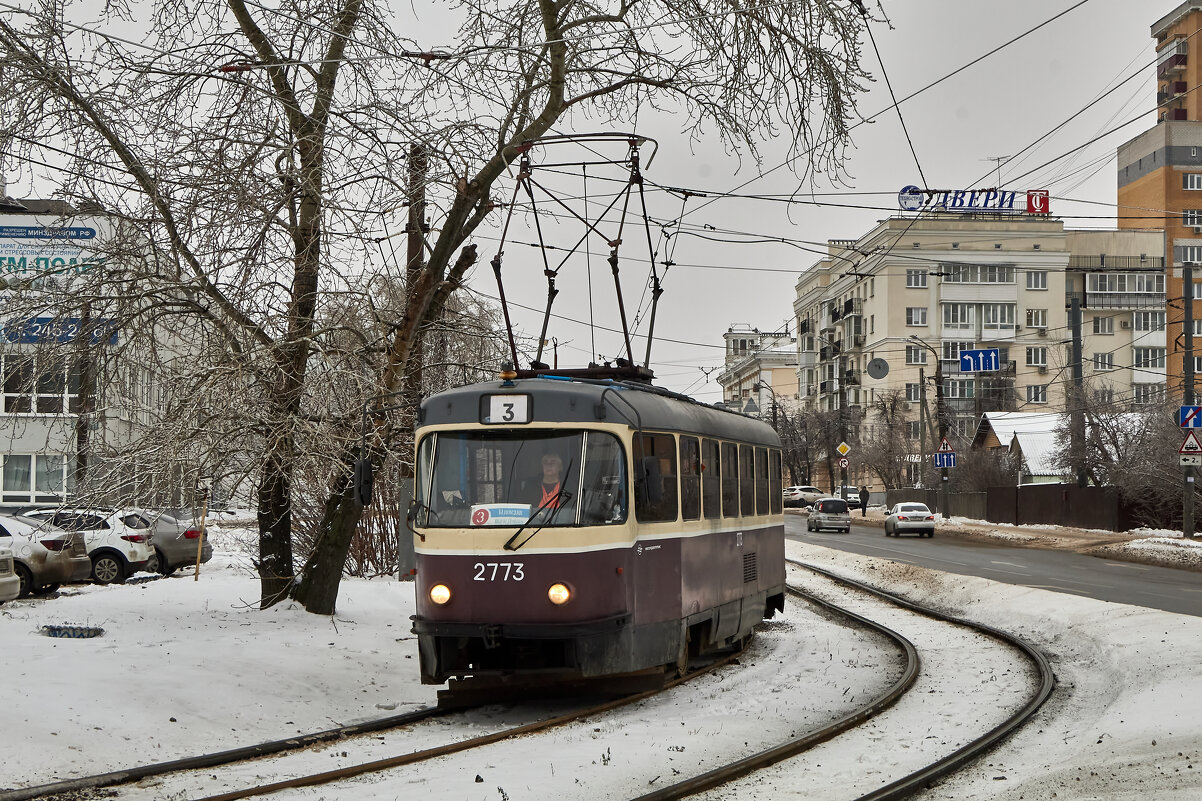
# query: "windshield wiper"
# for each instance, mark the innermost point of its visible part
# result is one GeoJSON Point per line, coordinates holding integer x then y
{"type": "Point", "coordinates": [553, 503]}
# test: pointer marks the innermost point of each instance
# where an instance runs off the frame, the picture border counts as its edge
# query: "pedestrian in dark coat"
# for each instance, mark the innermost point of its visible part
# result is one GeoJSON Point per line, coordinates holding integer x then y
{"type": "Point", "coordinates": [863, 501]}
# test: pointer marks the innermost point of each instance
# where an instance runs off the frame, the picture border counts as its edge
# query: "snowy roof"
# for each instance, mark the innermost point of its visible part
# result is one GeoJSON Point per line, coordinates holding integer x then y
{"type": "Point", "coordinates": [1039, 449]}
{"type": "Point", "coordinates": [1034, 434]}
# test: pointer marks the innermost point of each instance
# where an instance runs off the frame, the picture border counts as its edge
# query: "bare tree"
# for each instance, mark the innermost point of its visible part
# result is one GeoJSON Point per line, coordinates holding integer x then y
{"type": "Point", "coordinates": [258, 152]}
{"type": "Point", "coordinates": [884, 452]}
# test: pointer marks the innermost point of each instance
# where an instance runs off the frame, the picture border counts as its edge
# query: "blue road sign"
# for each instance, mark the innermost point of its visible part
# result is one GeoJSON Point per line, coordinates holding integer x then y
{"type": "Point", "coordinates": [1189, 417]}
{"type": "Point", "coordinates": [980, 361]}
{"type": "Point", "coordinates": [947, 459]}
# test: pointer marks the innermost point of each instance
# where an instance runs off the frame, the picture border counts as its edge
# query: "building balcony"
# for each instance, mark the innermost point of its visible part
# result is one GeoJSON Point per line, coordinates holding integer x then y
{"type": "Point", "coordinates": [828, 387]}
{"type": "Point", "coordinates": [853, 307]}
{"type": "Point", "coordinates": [805, 326]}
{"type": "Point", "coordinates": [829, 352]}
{"type": "Point", "coordinates": [1172, 65]}
{"type": "Point", "coordinates": [1115, 300]}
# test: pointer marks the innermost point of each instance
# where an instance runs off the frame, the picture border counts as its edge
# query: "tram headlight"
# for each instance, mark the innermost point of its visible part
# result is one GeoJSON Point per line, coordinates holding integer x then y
{"type": "Point", "coordinates": [559, 594]}
{"type": "Point", "coordinates": [440, 594]}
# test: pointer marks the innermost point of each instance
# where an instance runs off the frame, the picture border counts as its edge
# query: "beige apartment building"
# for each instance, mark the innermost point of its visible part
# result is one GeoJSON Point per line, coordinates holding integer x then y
{"type": "Point", "coordinates": [759, 374]}
{"type": "Point", "coordinates": [910, 295]}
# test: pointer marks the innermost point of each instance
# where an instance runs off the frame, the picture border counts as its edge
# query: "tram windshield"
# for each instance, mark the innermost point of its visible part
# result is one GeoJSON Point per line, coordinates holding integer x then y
{"type": "Point", "coordinates": [515, 478]}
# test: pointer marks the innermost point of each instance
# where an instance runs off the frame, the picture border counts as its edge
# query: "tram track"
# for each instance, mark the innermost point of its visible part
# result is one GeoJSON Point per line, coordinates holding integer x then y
{"type": "Point", "coordinates": [747, 766]}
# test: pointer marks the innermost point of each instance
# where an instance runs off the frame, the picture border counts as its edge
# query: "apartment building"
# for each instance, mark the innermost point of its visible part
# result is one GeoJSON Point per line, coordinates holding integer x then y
{"type": "Point", "coordinates": [913, 293]}
{"type": "Point", "coordinates": [759, 374]}
{"type": "Point", "coordinates": [1160, 175]}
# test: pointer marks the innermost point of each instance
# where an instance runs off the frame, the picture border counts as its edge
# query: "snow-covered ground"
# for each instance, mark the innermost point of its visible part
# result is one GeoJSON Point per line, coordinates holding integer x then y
{"type": "Point", "coordinates": [190, 666]}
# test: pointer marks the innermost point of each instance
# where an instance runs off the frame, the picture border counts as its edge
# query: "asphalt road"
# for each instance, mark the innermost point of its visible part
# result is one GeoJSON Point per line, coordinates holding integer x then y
{"type": "Point", "coordinates": [1161, 588]}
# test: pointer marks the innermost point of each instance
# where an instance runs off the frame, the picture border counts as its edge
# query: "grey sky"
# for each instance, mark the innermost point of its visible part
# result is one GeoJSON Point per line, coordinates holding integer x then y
{"type": "Point", "coordinates": [996, 108]}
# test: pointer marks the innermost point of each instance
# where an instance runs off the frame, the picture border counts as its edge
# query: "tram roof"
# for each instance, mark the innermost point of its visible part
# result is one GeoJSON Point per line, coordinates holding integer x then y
{"type": "Point", "coordinates": [562, 400]}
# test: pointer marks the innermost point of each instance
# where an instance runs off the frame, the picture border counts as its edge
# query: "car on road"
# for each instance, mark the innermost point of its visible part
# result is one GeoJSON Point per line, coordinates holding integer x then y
{"type": "Point", "coordinates": [175, 541]}
{"type": "Point", "coordinates": [44, 555]}
{"type": "Point", "coordinates": [851, 494]}
{"type": "Point", "coordinates": [830, 513]}
{"type": "Point", "coordinates": [118, 540]}
{"type": "Point", "coordinates": [10, 585]}
{"type": "Point", "coordinates": [909, 517]}
{"type": "Point", "coordinates": [802, 495]}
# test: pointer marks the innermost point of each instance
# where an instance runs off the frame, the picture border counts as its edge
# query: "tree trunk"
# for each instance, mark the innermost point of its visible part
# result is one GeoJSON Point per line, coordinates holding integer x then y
{"type": "Point", "coordinates": [317, 587]}
{"type": "Point", "coordinates": [275, 530]}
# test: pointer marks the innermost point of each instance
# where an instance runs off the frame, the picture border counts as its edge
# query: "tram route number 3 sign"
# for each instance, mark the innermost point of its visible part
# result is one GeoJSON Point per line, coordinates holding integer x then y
{"type": "Point", "coordinates": [507, 410]}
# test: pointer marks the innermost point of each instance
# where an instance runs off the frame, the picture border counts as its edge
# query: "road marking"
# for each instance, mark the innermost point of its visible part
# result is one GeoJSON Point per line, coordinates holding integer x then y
{"type": "Point", "coordinates": [1128, 565]}
{"type": "Point", "coordinates": [1007, 564]}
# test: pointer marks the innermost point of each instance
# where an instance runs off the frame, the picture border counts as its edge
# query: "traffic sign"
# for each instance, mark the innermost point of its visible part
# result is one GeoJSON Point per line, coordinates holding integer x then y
{"type": "Point", "coordinates": [1190, 459]}
{"type": "Point", "coordinates": [843, 463]}
{"type": "Point", "coordinates": [1191, 444]}
{"type": "Point", "coordinates": [945, 459]}
{"type": "Point", "coordinates": [945, 446]}
{"type": "Point", "coordinates": [980, 361]}
{"type": "Point", "coordinates": [843, 449]}
{"type": "Point", "coordinates": [1189, 417]}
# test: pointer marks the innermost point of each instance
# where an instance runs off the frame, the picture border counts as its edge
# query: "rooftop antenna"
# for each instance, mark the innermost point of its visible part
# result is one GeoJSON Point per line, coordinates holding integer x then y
{"type": "Point", "coordinates": [997, 160]}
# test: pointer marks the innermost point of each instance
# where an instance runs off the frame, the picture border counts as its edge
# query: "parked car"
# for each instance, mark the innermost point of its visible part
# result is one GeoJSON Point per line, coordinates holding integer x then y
{"type": "Point", "coordinates": [175, 539]}
{"type": "Point", "coordinates": [118, 540]}
{"type": "Point", "coordinates": [793, 496]}
{"type": "Point", "coordinates": [910, 517]}
{"type": "Point", "coordinates": [806, 495]}
{"type": "Point", "coordinates": [10, 585]}
{"type": "Point", "coordinates": [829, 513]}
{"type": "Point", "coordinates": [44, 555]}
{"type": "Point", "coordinates": [851, 494]}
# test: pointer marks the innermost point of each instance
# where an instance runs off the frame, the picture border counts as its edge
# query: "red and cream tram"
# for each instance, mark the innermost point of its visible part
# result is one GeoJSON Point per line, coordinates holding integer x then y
{"type": "Point", "coordinates": [569, 528]}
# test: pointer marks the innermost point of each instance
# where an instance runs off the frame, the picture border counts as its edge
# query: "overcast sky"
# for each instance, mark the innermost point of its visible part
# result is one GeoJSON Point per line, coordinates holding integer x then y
{"type": "Point", "coordinates": [1004, 106]}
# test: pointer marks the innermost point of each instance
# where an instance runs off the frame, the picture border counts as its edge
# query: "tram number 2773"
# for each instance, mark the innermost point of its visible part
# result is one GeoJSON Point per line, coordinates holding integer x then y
{"type": "Point", "coordinates": [488, 571]}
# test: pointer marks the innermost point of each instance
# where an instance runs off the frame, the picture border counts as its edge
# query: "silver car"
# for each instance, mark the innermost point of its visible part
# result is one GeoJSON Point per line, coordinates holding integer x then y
{"type": "Point", "coordinates": [10, 585]}
{"type": "Point", "coordinates": [175, 541]}
{"type": "Point", "coordinates": [910, 517]}
{"type": "Point", "coordinates": [829, 513]}
{"type": "Point", "coordinates": [44, 556]}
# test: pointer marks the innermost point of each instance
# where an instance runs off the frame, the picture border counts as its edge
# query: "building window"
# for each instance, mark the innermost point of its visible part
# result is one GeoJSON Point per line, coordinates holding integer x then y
{"type": "Point", "coordinates": [959, 315]}
{"type": "Point", "coordinates": [916, 279]}
{"type": "Point", "coordinates": [959, 388]}
{"type": "Point", "coordinates": [1197, 293]}
{"type": "Point", "coordinates": [1037, 357]}
{"type": "Point", "coordinates": [1150, 321]}
{"type": "Point", "coordinates": [951, 350]}
{"type": "Point", "coordinates": [1103, 324]}
{"type": "Point", "coordinates": [915, 429]}
{"type": "Point", "coordinates": [1037, 279]}
{"type": "Point", "coordinates": [1149, 357]}
{"type": "Point", "coordinates": [913, 393]}
{"type": "Point", "coordinates": [916, 354]}
{"type": "Point", "coordinates": [37, 479]}
{"type": "Point", "coordinates": [1104, 395]}
{"type": "Point", "coordinates": [997, 316]}
{"type": "Point", "coordinates": [1037, 318]}
{"type": "Point", "coordinates": [980, 274]}
{"type": "Point", "coordinates": [1149, 283]}
{"type": "Point", "coordinates": [1148, 393]}
{"type": "Point", "coordinates": [1103, 361]}
{"type": "Point", "coordinates": [1037, 393]}
{"type": "Point", "coordinates": [1191, 180]}
{"type": "Point", "coordinates": [39, 385]}
{"type": "Point", "coordinates": [1191, 217]}
{"type": "Point", "coordinates": [916, 315]}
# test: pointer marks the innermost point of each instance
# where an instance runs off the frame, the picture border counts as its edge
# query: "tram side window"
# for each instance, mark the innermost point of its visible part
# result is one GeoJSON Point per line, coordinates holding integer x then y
{"type": "Point", "coordinates": [711, 480]}
{"type": "Point", "coordinates": [690, 478]}
{"type": "Point", "coordinates": [730, 479]}
{"type": "Point", "coordinates": [746, 480]}
{"type": "Point", "coordinates": [761, 481]}
{"type": "Point", "coordinates": [655, 493]}
{"type": "Point", "coordinates": [776, 487]}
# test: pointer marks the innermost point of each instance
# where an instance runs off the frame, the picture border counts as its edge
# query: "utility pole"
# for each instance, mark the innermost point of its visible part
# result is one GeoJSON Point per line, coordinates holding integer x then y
{"type": "Point", "coordinates": [922, 423]}
{"type": "Point", "coordinates": [940, 417]}
{"type": "Point", "coordinates": [1077, 396]}
{"type": "Point", "coordinates": [415, 260]}
{"type": "Point", "coordinates": [1187, 500]}
{"type": "Point", "coordinates": [842, 376]}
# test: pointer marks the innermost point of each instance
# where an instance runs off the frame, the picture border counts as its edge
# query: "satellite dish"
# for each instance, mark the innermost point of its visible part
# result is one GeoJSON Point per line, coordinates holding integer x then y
{"type": "Point", "coordinates": [878, 368]}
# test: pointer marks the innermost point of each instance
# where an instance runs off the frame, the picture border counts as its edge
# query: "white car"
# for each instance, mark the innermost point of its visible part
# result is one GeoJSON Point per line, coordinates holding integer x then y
{"type": "Point", "coordinates": [118, 540]}
{"type": "Point", "coordinates": [10, 585]}
{"type": "Point", "coordinates": [910, 517]}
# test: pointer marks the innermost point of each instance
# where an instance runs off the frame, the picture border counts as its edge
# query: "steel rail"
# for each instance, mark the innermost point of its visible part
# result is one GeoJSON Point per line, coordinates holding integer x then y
{"type": "Point", "coordinates": [912, 783]}
{"type": "Point", "coordinates": [727, 773]}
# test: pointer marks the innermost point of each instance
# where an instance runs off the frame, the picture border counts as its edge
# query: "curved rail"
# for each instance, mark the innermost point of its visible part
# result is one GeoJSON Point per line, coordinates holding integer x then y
{"type": "Point", "coordinates": [742, 767]}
